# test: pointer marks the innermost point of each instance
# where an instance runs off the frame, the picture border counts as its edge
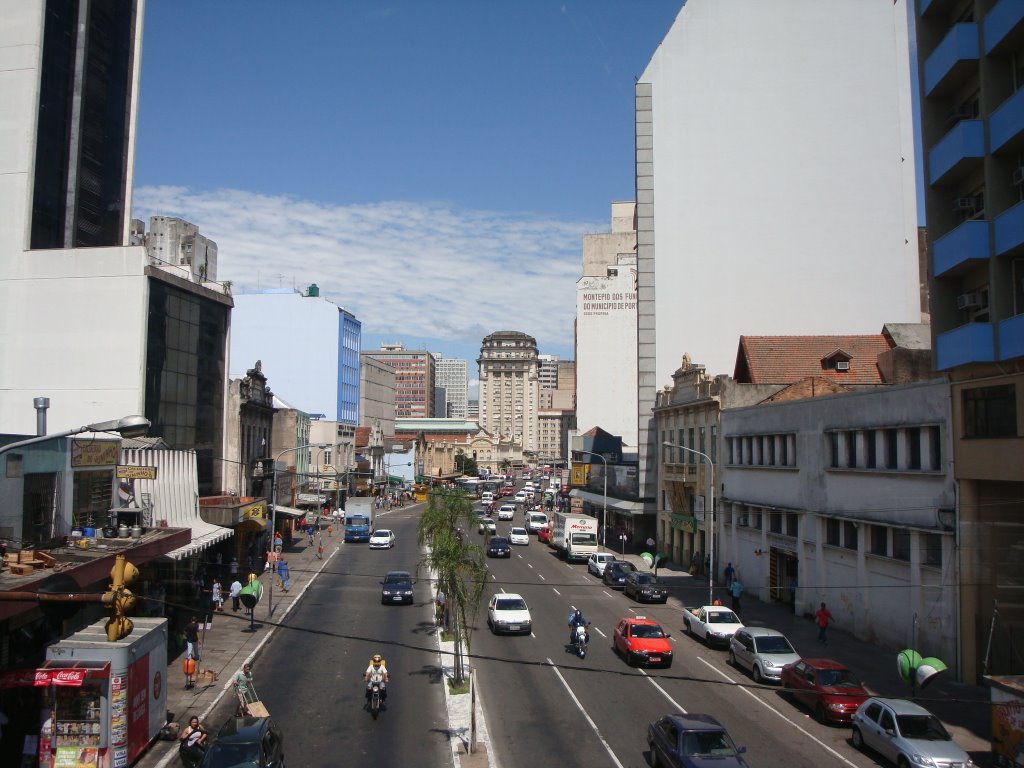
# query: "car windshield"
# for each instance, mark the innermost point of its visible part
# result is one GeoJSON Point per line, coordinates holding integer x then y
{"type": "Point", "coordinates": [838, 678]}
{"type": "Point", "coordinates": [723, 617]}
{"type": "Point", "coordinates": [707, 743]}
{"type": "Point", "coordinates": [924, 727]}
{"type": "Point", "coordinates": [584, 538]}
{"type": "Point", "coordinates": [498, 541]}
{"type": "Point", "coordinates": [397, 578]}
{"type": "Point", "coordinates": [647, 631]}
{"type": "Point", "coordinates": [518, 531]}
{"type": "Point", "coordinates": [643, 578]}
{"type": "Point", "coordinates": [381, 534]}
{"type": "Point", "coordinates": [773, 644]}
{"type": "Point", "coordinates": [516, 604]}
{"type": "Point", "coordinates": [227, 755]}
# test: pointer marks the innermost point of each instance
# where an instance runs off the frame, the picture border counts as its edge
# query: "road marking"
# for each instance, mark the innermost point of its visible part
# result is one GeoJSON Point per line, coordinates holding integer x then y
{"type": "Point", "coordinates": [602, 634]}
{"type": "Point", "coordinates": [556, 591]}
{"type": "Point", "coordinates": [664, 693]}
{"type": "Point", "coordinates": [774, 711]}
{"type": "Point", "coordinates": [530, 564]}
{"type": "Point", "coordinates": [542, 576]}
{"type": "Point", "coordinates": [606, 593]}
{"type": "Point", "coordinates": [593, 725]}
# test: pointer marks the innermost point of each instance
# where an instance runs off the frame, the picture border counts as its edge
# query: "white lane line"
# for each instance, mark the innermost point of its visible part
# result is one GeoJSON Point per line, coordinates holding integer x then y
{"type": "Point", "coordinates": [542, 576]}
{"type": "Point", "coordinates": [593, 725]}
{"type": "Point", "coordinates": [556, 591]}
{"type": "Point", "coordinates": [663, 691]}
{"type": "Point", "coordinates": [530, 564]}
{"type": "Point", "coordinates": [606, 593]}
{"type": "Point", "coordinates": [602, 634]}
{"type": "Point", "coordinates": [774, 711]}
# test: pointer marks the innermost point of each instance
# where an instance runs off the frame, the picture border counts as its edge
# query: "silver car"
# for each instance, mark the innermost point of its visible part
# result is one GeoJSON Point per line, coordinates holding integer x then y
{"type": "Point", "coordinates": [763, 651]}
{"type": "Point", "coordinates": [906, 734]}
{"type": "Point", "coordinates": [598, 561]}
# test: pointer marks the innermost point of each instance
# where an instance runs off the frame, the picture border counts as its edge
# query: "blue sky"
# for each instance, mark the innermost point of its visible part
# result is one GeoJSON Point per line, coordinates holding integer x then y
{"type": "Point", "coordinates": [432, 166]}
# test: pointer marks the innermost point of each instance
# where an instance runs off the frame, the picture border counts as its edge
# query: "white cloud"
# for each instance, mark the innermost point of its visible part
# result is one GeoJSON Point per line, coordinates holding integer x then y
{"type": "Point", "coordinates": [418, 269]}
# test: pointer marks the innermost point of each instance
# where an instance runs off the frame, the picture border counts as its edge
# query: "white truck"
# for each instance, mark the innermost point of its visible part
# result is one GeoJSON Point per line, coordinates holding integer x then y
{"type": "Point", "coordinates": [574, 535]}
{"type": "Point", "coordinates": [711, 623]}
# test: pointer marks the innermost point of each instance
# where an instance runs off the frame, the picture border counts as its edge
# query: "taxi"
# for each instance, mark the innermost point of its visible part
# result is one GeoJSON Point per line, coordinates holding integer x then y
{"type": "Point", "coordinates": [642, 642]}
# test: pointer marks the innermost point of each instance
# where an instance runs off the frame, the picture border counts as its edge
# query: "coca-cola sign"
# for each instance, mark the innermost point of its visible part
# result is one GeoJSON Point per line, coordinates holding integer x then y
{"type": "Point", "coordinates": [73, 677]}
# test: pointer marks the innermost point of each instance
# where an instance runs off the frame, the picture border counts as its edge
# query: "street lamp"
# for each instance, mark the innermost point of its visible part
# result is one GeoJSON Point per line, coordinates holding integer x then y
{"type": "Point", "coordinates": [604, 521]}
{"type": "Point", "coordinates": [711, 524]}
{"type": "Point", "coordinates": [273, 512]}
{"type": "Point", "coordinates": [126, 426]}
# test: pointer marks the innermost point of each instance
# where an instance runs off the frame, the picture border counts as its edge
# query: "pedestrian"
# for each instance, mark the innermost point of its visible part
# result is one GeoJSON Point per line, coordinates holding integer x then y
{"type": "Point", "coordinates": [271, 564]}
{"type": "Point", "coordinates": [320, 547]}
{"type": "Point", "coordinates": [735, 590]}
{"type": "Point", "coordinates": [822, 617]}
{"type": "Point", "coordinates": [283, 573]}
{"type": "Point", "coordinates": [235, 592]}
{"type": "Point", "coordinates": [191, 652]}
{"type": "Point", "coordinates": [310, 530]}
{"type": "Point", "coordinates": [245, 691]}
{"type": "Point", "coordinates": [192, 744]}
{"type": "Point", "coordinates": [792, 593]}
{"type": "Point", "coordinates": [278, 541]}
{"type": "Point", "coordinates": [217, 596]}
{"type": "Point", "coordinates": [730, 574]}
{"type": "Point", "coordinates": [233, 567]}
{"type": "Point", "coordinates": [440, 603]}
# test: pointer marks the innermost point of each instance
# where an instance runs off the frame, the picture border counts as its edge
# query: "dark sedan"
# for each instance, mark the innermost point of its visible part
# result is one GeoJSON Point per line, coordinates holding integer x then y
{"type": "Point", "coordinates": [615, 573]}
{"type": "Point", "coordinates": [499, 547]}
{"type": "Point", "coordinates": [691, 741]}
{"type": "Point", "coordinates": [645, 588]}
{"type": "Point", "coordinates": [248, 741]}
{"type": "Point", "coordinates": [397, 587]}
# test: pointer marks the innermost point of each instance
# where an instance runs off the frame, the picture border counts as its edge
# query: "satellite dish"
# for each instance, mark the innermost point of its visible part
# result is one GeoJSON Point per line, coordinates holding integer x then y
{"type": "Point", "coordinates": [918, 670]}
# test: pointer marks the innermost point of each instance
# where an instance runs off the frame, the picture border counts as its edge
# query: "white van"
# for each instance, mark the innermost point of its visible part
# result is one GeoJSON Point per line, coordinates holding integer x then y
{"type": "Point", "coordinates": [486, 497]}
{"type": "Point", "coordinates": [537, 521]}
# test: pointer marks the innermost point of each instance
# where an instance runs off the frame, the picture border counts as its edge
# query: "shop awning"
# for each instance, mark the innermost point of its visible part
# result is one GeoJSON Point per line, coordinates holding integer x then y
{"type": "Point", "coordinates": [282, 511]}
{"type": "Point", "coordinates": [204, 535]}
{"type": "Point", "coordinates": [619, 505]}
{"type": "Point", "coordinates": [65, 673]}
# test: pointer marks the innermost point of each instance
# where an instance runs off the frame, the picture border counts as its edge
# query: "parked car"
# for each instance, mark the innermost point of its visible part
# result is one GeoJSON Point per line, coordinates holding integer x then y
{"type": "Point", "coordinates": [692, 741]}
{"type": "Point", "coordinates": [597, 561]}
{"type": "Point", "coordinates": [544, 534]}
{"type": "Point", "coordinates": [827, 687]}
{"type": "Point", "coordinates": [906, 734]}
{"type": "Point", "coordinates": [615, 573]}
{"type": "Point", "coordinates": [507, 612]}
{"type": "Point", "coordinates": [382, 538]}
{"type": "Point", "coordinates": [519, 536]}
{"type": "Point", "coordinates": [644, 588]}
{"type": "Point", "coordinates": [642, 642]}
{"type": "Point", "coordinates": [499, 546]}
{"type": "Point", "coordinates": [248, 741]}
{"type": "Point", "coordinates": [486, 524]}
{"type": "Point", "coordinates": [397, 587]}
{"type": "Point", "coordinates": [763, 651]}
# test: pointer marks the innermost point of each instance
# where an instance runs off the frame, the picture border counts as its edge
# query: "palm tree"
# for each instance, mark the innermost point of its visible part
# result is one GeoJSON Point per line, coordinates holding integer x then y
{"type": "Point", "coordinates": [460, 566]}
{"type": "Point", "coordinates": [460, 460]}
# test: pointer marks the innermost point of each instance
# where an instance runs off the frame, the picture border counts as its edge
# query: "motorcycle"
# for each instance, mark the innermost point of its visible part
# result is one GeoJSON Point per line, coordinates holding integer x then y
{"type": "Point", "coordinates": [582, 638]}
{"type": "Point", "coordinates": [375, 698]}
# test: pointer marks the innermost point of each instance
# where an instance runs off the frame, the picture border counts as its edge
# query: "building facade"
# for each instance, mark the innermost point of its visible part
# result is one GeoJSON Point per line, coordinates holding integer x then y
{"type": "Point", "coordinates": [415, 379]}
{"type": "Point", "coordinates": [377, 401]}
{"type": "Point", "coordinates": [453, 377]}
{"type": "Point", "coordinates": [972, 127]}
{"type": "Point", "coordinates": [509, 388]}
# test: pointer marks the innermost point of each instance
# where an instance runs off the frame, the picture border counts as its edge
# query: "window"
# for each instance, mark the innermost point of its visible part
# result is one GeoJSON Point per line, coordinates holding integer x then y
{"type": "Point", "coordinates": [935, 437]}
{"type": "Point", "coordinates": [714, 444]}
{"type": "Point", "coordinates": [851, 449]}
{"type": "Point", "coordinates": [870, 450]}
{"type": "Point", "coordinates": [879, 540]}
{"type": "Point", "coordinates": [832, 532]}
{"type": "Point", "coordinates": [849, 534]}
{"type": "Point", "coordinates": [775, 522]}
{"type": "Point", "coordinates": [833, 440]}
{"type": "Point", "coordinates": [891, 448]}
{"type": "Point", "coordinates": [700, 445]}
{"type": "Point", "coordinates": [901, 543]}
{"type": "Point", "coordinates": [691, 459]}
{"type": "Point", "coordinates": [914, 441]}
{"type": "Point", "coordinates": [931, 549]}
{"type": "Point", "coordinates": [792, 524]}
{"type": "Point", "coordinates": [990, 411]}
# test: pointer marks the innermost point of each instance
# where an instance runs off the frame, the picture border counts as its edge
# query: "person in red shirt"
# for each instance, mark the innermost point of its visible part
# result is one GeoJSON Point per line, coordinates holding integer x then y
{"type": "Point", "coordinates": [822, 617]}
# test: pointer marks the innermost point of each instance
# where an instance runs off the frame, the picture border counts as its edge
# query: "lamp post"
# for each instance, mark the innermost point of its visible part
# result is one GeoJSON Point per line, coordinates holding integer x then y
{"type": "Point", "coordinates": [604, 512]}
{"type": "Point", "coordinates": [126, 426]}
{"type": "Point", "coordinates": [711, 524]}
{"type": "Point", "coordinates": [273, 513]}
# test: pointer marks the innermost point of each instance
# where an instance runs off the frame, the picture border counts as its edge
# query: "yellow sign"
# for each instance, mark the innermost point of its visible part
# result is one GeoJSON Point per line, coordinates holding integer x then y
{"type": "Point", "coordinates": [580, 474]}
{"type": "Point", "coordinates": [136, 473]}
{"type": "Point", "coordinates": [255, 511]}
{"type": "Point", "coordinates": [95, 453]}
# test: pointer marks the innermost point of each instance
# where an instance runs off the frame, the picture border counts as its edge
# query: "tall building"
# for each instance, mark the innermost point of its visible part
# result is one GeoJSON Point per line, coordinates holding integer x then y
{"type": "Point", "coordinates": [415, 379]}
{"type": "Point", "coordinates": [122, 332]}
{"type": "Point", "coordinates": [767, 197]}
{"type": "Point", "coordinates": [972, 127]}
{"type": "Point", "coordinates": [606, 351]}
{"type": "Point", "coordinates": [453, 376]}
{"type": "Point", "coordinates": [509, 388]}
{"type": "Point", "coordinates": [309, 347]}
{"type": "Point", "coordinates": [547, 371]}
{"type": "Point", "coordinates": [377, 395]}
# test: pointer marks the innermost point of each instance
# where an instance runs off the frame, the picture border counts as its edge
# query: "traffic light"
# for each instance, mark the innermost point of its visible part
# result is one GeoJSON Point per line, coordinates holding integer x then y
{"type": "Point", "coordinates": [120, 598]}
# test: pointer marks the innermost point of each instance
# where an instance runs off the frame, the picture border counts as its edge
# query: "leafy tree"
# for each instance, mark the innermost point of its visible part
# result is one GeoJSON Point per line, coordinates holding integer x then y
{"type": "Point", "coordinates": [506, 465]}
{"type": "Point", "coordinates": [460, 566]}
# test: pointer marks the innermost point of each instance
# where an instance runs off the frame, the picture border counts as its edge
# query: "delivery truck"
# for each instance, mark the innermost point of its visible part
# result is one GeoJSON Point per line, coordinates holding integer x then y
{"type": "Point", "coordinates": [358, 518]}
{"type": "Point", "coordinates": [574, 535]}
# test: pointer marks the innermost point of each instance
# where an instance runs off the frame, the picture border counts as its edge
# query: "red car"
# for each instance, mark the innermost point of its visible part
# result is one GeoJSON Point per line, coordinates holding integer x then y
{"type": "Point", "coordinates": [544, 534]}
{"type": "Point", "coordinates": [828, 688]}
{"type": "Point", "coordinates": [508, 491]}
{"type": "Point", "coordinates": [643, 642]}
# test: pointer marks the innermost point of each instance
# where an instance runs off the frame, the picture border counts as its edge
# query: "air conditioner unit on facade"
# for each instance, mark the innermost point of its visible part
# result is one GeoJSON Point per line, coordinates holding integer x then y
{"type": "Point", "coordinates": [968, 301]}
{"type": "Point", "coordinates": [1018, 176]}
{"type": "Point", "coordinates": [965, 204]}
{"type": "Point", "coordinates": [842, 365]}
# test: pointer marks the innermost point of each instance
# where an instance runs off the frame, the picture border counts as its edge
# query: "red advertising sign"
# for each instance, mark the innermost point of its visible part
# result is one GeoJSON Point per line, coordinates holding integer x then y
{"type": "Point", "coordinates": [45, 676]}
{"type": "Point", "coordinates": [138, 706]}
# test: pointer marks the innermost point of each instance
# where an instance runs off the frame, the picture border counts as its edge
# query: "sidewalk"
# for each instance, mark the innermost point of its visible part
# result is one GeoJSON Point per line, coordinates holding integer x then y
{"type": "Point", "coordinates": [964, 709]}
{"type": "Point", "coordinates": [230, 642]}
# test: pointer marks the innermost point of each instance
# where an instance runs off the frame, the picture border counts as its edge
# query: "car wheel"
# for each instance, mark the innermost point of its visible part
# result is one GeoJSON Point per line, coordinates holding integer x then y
{"type": "Point", "coordinates": [732, 657]}
{"type": "Point", "coordinates": [857, 738]}
{"type": "Point", "coordinates": [655, 762]}
{"type": "Point", "coordinates": [902, 762]}
{"type": "Point", "coordinates": [686, 628]}
{"type": "Point", "coordinates": [669, 664]}
{"type": "Point", "coordinates": [757, 675]}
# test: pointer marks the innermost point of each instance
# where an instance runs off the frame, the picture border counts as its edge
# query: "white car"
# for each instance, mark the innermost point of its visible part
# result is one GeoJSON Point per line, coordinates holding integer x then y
{"type": "Point", "coordinates": [536, 521]}
{"type": "Point", "coordinates": [519, 536]}
{"type": "Point", "coordinates": [382, 538]}
{"type": "Point", "coordinates": [506, 511]}
{"type": "Point", "coordinates": [520, 497]}
{"type": "Point", "coordinates": [598, 561]}
{"type": "Point", "coordinates": [507, 612]}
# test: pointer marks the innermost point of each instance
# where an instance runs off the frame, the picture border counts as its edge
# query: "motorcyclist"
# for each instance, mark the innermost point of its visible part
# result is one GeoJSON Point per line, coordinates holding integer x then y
{"type": "Point", "coordinates": [376, 672]}
{"type": "Point", "coordinates": [576, 619]}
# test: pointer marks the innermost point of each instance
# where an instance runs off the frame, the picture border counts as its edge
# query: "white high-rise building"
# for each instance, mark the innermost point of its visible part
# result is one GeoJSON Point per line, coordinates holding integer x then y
{"type": "Point", "coordinates": [547, 371]}
{"type": "Point", "coordinates": [452, 376]}
{"type": "Point", "coordinates": [509, 388]}
{"type": "Point", "coordinates": [775, 182]}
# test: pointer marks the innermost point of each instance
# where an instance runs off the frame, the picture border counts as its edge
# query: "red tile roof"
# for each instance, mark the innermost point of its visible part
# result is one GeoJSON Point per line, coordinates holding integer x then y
{"type": "Point", "coordinates": [788, 359]}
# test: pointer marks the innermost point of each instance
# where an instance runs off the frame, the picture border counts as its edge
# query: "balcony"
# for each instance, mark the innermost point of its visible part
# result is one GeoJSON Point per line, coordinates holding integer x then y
{"type": "Point", "coordinates": [956, 151]}
{"type": "Point", "coordinates": [953, 60]}
{"type": "Point", "coordinates": [1003, 27]}
{"type": "Point", "coordinates": [967, 244]}
{"type": "Point", "coordinates": [971, 343]}
{"type": "Point", "coordinates": [1006, 125]}
{"type": "Point", "coordinates": [1011, 338]}
{"type": "Point", "coordinates": [1008, 230]}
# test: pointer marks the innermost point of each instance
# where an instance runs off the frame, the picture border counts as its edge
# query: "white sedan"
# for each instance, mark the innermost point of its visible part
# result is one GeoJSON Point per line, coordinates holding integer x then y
{"type": "Point", "coordinates": [520, 497]}
{"type": "Point", "coordinates": [382, 538]}
{"type": "Point", "coordinates": [519, 536]}
{"type": "Point", "coordinates": [507, 612]}
{"type": "Point", "coordinates": [506, 511]}
{"type": "Point", "coordinates": [598, 561]}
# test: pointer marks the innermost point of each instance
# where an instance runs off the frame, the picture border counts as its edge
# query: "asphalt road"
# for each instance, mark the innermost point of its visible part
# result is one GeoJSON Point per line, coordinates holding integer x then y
{"type": "Point", "coordinates": [545, 706]}
{"type": "Point", "coordinates": [310, 674]}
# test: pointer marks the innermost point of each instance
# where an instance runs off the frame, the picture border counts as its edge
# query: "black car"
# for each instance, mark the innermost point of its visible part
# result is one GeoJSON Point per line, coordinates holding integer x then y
{"type": "Point", "coordinates": [248, 741]}
{"type": "Point", "coordinates": [615, 573]}
{"type": "Point", "coordinates": [645, 588]}
{"type": "Point", "coordinates": [691, 741]}
{"type": "Point", "coordinates": [397, 587]}
{"type": "Point", "coordinates": [499, 547]}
